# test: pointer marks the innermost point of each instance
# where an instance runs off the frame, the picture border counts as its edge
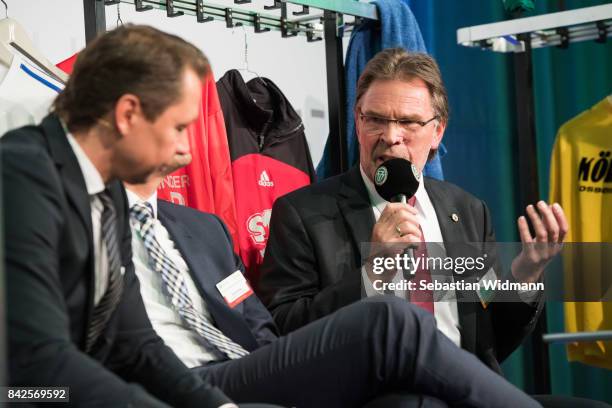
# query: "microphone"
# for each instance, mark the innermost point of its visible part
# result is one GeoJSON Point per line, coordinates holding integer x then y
{"type": "Point", "coordinates": [396, 180]}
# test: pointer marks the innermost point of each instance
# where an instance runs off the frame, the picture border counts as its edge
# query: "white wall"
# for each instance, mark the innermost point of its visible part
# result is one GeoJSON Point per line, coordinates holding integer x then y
{"type": "Point", "coordinates": [56, 27]}
{"type": "Point", "coordinates": [298, 68]}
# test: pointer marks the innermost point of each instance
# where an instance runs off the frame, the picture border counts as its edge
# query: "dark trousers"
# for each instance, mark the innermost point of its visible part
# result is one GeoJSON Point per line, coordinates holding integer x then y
{"type": "Point", "coordinates": [364, 350]}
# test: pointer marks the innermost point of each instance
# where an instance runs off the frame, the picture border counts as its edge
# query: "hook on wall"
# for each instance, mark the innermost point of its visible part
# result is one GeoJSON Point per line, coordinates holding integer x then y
{"type": "Point", "coordinates": [564, 36]}
{"type": "Point", "coordinates": [257, 24]}
{"type": "Point", "coordinates": [200, 14]}
{"type": "Point", "coordinates": [284, 23]}
{"type": "Point", "coordinates": [305, 11]}
{"type": "Point", "coordinates": [170, 11]}
{"type": "Point", "coordinates": [602, 32]}
{"type": "Point", "coordinates": [229, 19]}
{"type": "Point", "coordinates": [5, 8]}
{"type": "Point", "coordinates": [311, 36]}
{"type": "Point", "coordinates": [140, 7]}
{"type": "Point", "coordinates": [276, 5]}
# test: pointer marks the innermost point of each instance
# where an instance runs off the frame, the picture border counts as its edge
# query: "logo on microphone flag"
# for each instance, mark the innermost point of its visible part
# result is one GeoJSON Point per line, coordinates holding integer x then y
{"type": "Point", "coordinates": [381, 175]}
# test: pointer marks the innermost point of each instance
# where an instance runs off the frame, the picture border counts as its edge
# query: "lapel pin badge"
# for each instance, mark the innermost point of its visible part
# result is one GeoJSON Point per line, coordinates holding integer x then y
{"type": "Point", "coordinates": [454, 217]}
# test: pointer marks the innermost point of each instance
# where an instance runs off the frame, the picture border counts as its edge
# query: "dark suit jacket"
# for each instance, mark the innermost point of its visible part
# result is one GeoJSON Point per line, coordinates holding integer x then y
{"type": "Point", "coordinates": [206, 246]}
{"type": "Point", "coordinates": [313, 260]}
{"type": "Point", "coordinates": [50, 285]}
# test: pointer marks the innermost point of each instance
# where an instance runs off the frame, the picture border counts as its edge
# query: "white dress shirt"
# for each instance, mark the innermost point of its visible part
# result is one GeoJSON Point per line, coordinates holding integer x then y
{"type": "Point", "coordinates": [166, 321]}
{"type": "Point", "coordinates": [446, 312]}
{"type": "Point", "coordinates": [95, 185]}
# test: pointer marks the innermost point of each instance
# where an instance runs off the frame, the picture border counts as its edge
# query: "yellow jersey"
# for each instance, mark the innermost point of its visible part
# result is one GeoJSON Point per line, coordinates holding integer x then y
{"type": "Point", "coordinates": [581, 181]}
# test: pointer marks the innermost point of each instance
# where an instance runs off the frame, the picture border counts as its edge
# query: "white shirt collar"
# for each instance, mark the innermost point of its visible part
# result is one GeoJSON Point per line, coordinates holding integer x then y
{"type": "Point", "coordinates": [380, 202]}
{"type": "Point", "coordinates": [134, 199]}
{"type": "Point", "coordinates": [93, 179]}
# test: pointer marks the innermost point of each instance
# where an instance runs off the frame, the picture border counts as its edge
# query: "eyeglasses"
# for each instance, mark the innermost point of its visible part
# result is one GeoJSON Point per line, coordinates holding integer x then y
{"type": "Point", "coordinates": [376, 124]}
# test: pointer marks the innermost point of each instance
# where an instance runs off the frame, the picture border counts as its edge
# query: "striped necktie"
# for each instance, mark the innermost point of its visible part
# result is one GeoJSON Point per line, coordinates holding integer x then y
{"type": "Point", "coordinates": [421, 297]}
{"type": "Point", "coordinates": [175, 287]}
{"type": "Point", "coordinates": [108, 303]}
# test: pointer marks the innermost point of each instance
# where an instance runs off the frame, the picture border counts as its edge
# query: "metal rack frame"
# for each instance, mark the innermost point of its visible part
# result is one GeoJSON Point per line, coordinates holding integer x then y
{"type": "Point", "coordinates": [578, 337]}
{"type": "Point", "coordinates": [554, 29]}
{"type": "Point", "coordinates": [520, 36]}
{"type": "Point", "coordinates": [329, 25]}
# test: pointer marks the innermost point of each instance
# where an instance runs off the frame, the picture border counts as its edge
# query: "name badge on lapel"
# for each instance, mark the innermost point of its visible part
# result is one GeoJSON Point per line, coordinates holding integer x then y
{"type": "Point", "coordinates": [486, 295]}
{"type": "Point", "coordinates": [234, 289]}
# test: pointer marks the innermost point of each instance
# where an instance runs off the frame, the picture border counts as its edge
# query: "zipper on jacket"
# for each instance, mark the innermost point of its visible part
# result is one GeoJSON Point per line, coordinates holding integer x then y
{"type": "Point", "coordinates": [299, 127]}
{"type": "Point", "coordinates": [261, 137]}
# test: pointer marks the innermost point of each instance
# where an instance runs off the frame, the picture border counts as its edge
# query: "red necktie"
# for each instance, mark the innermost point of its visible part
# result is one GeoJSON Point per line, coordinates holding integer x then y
{"type": "Point", "coordinates": [421, 297]}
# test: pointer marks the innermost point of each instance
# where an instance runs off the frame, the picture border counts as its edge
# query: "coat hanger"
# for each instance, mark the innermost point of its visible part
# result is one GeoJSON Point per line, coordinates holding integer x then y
{"type": "Point", "coordinates": [246, 68]}
{"type": "Point", "coordinates": [14, 38]}
{"type": "Point", "coordinates": [5, 54]}
{"type": "Point", "coordinates": [119, 20]}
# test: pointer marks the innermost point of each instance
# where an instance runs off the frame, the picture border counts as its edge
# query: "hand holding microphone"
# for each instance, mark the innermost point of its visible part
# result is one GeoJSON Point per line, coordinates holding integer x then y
{"type": "Point", "coordinates": [398, 223]}
{"type": "Point", "coordinates": [395, 180]}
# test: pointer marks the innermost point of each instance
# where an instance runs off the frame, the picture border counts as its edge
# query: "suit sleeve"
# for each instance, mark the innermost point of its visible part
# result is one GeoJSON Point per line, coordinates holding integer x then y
{"type": "Point", "coordinates": [512, 321]}
{"type": "Point", "coordinates": [256, 315]}
{"type": "Point", "coordinates": [41, 350]}
{"type": "Point", "coordinates": [290, 286]}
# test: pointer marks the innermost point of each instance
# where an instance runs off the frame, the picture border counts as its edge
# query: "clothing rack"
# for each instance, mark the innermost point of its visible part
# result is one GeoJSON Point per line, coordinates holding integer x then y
{"type": "Point", "coordinates": [578, 337]}
{"type": "Point", "coordinates": [520, 36]}
{"type": "Point", "coordinates": [317, 20]}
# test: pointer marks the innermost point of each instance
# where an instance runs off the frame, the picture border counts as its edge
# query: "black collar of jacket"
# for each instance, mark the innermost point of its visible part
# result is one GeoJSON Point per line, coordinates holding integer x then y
{"type": "Point", "coordinates": [67, 164]}
{"type": "Point", "coordinates": [262, 103]}
{"type": "Point", "coordinates": [57, 141]}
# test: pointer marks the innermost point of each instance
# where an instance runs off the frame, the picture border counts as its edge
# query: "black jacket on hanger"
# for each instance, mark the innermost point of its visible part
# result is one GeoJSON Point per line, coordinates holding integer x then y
{"type": "Point", "coordinates": [269, 153]}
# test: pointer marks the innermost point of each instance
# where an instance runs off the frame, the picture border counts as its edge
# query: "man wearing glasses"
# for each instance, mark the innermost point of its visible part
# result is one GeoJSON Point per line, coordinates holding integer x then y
{"type": "Point", "coordinates": [313, 264]}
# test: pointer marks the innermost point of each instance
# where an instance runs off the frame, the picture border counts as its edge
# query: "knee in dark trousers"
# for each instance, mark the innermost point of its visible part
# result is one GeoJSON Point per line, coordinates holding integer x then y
{"type": "Point", "coordinates": [398, 312]}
